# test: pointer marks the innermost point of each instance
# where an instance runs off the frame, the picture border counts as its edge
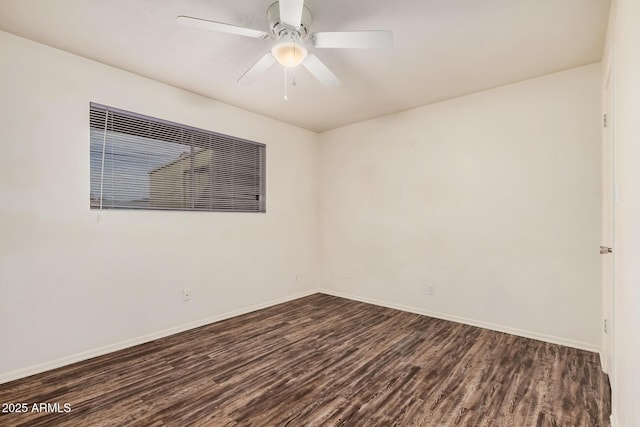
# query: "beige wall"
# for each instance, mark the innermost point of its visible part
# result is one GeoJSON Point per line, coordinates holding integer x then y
{"type": "Point", "coordinates": [494, 198]}
{"type": "Point", "coordinates": [622, 52]}
{"type": "Point", "coordinates": [73, 282]}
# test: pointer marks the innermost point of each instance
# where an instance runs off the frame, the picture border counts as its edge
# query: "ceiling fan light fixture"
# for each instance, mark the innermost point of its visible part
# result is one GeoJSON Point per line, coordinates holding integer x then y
{"type": "Point", "coordinates": [289, 23]}
{"type": "Point", "coordinates": [289, 53]}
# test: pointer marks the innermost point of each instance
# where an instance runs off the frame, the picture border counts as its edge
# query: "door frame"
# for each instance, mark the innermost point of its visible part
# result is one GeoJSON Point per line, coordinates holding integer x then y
{"type": "Point", "coordinates": [609, 202]}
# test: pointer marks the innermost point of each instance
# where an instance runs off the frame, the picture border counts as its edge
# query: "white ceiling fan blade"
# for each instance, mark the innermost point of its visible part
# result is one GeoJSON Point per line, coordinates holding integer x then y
{"type": "Point", "coordinates": [291, 12]}
{"type": "Point", "coordinates": [353, 39]}
{"type": "Point", "coordinates": [220, 27]}
{"type": "Point", "coordinates": [320, 71]}
{"type": "Point", "coordinates": [258, 68]}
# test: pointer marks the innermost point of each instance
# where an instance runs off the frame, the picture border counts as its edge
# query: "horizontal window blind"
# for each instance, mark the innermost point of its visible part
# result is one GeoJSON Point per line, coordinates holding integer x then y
{"type": "Point", "coordinates": [140, 162]}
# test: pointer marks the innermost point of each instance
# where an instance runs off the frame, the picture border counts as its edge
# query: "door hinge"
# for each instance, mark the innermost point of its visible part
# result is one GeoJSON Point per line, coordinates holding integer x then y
{"type": "Point", "coordinates": [605, 328]}
{"type": "Point", "coordinates": [605, 120]}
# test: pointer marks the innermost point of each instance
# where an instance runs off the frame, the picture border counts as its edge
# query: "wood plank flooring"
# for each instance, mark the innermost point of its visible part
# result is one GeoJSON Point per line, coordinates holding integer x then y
{"type": "Point", "coordinates": [324, 361]}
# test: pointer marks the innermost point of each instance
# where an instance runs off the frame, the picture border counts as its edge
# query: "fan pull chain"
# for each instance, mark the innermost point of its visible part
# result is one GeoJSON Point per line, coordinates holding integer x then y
{"type": "Point", "coordinates": [285, 84]}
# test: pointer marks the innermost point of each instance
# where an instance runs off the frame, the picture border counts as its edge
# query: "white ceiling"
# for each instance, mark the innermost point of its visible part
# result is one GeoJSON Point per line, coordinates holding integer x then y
{"type": "Point", "coordinates": [443, 48]}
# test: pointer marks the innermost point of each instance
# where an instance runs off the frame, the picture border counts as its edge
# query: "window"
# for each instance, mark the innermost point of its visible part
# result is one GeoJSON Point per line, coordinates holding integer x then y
{"type": "Point", "coordinates": [139, 162]}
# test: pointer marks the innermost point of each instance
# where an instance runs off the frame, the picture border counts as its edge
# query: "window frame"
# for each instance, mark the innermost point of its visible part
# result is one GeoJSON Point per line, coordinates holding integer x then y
{"type": "Point", "coordinates": [234, 162]}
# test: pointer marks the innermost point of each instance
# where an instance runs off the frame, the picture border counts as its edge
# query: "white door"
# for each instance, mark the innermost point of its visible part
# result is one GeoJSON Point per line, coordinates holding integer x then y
{"type": "Point", "coordinates": [608, 224]}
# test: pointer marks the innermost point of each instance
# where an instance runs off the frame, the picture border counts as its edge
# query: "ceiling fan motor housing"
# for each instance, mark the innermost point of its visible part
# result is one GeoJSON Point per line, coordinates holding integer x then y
{"type": "Point", "coordinates": [279, 29]}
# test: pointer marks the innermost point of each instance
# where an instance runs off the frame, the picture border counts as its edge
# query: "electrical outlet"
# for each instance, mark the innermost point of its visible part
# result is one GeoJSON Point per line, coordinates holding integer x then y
{"type": "Point", "coordinates": [186, 294]}
{"type": "Point", "coordinates": [431, 289]}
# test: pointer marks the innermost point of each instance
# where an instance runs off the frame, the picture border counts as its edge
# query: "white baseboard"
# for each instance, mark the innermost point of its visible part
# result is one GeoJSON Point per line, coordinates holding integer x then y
{"type": "Point", "coordinates": [78, 357]}
{"type": "Point", "coordinates": [603, 365]}
{"type": "Point", "coordinates": [466, 321]}
{"type": "Point", "coordinates": [614, 420]}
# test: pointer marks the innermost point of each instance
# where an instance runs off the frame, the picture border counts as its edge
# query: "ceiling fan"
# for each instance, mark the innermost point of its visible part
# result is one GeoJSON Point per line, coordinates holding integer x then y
{"type": "Point", "coordinates": [289, 22]}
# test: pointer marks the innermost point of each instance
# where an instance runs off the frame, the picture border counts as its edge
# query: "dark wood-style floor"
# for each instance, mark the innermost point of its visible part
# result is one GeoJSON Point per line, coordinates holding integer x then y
{"type": "Point", "coordinates": [324, 361]}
